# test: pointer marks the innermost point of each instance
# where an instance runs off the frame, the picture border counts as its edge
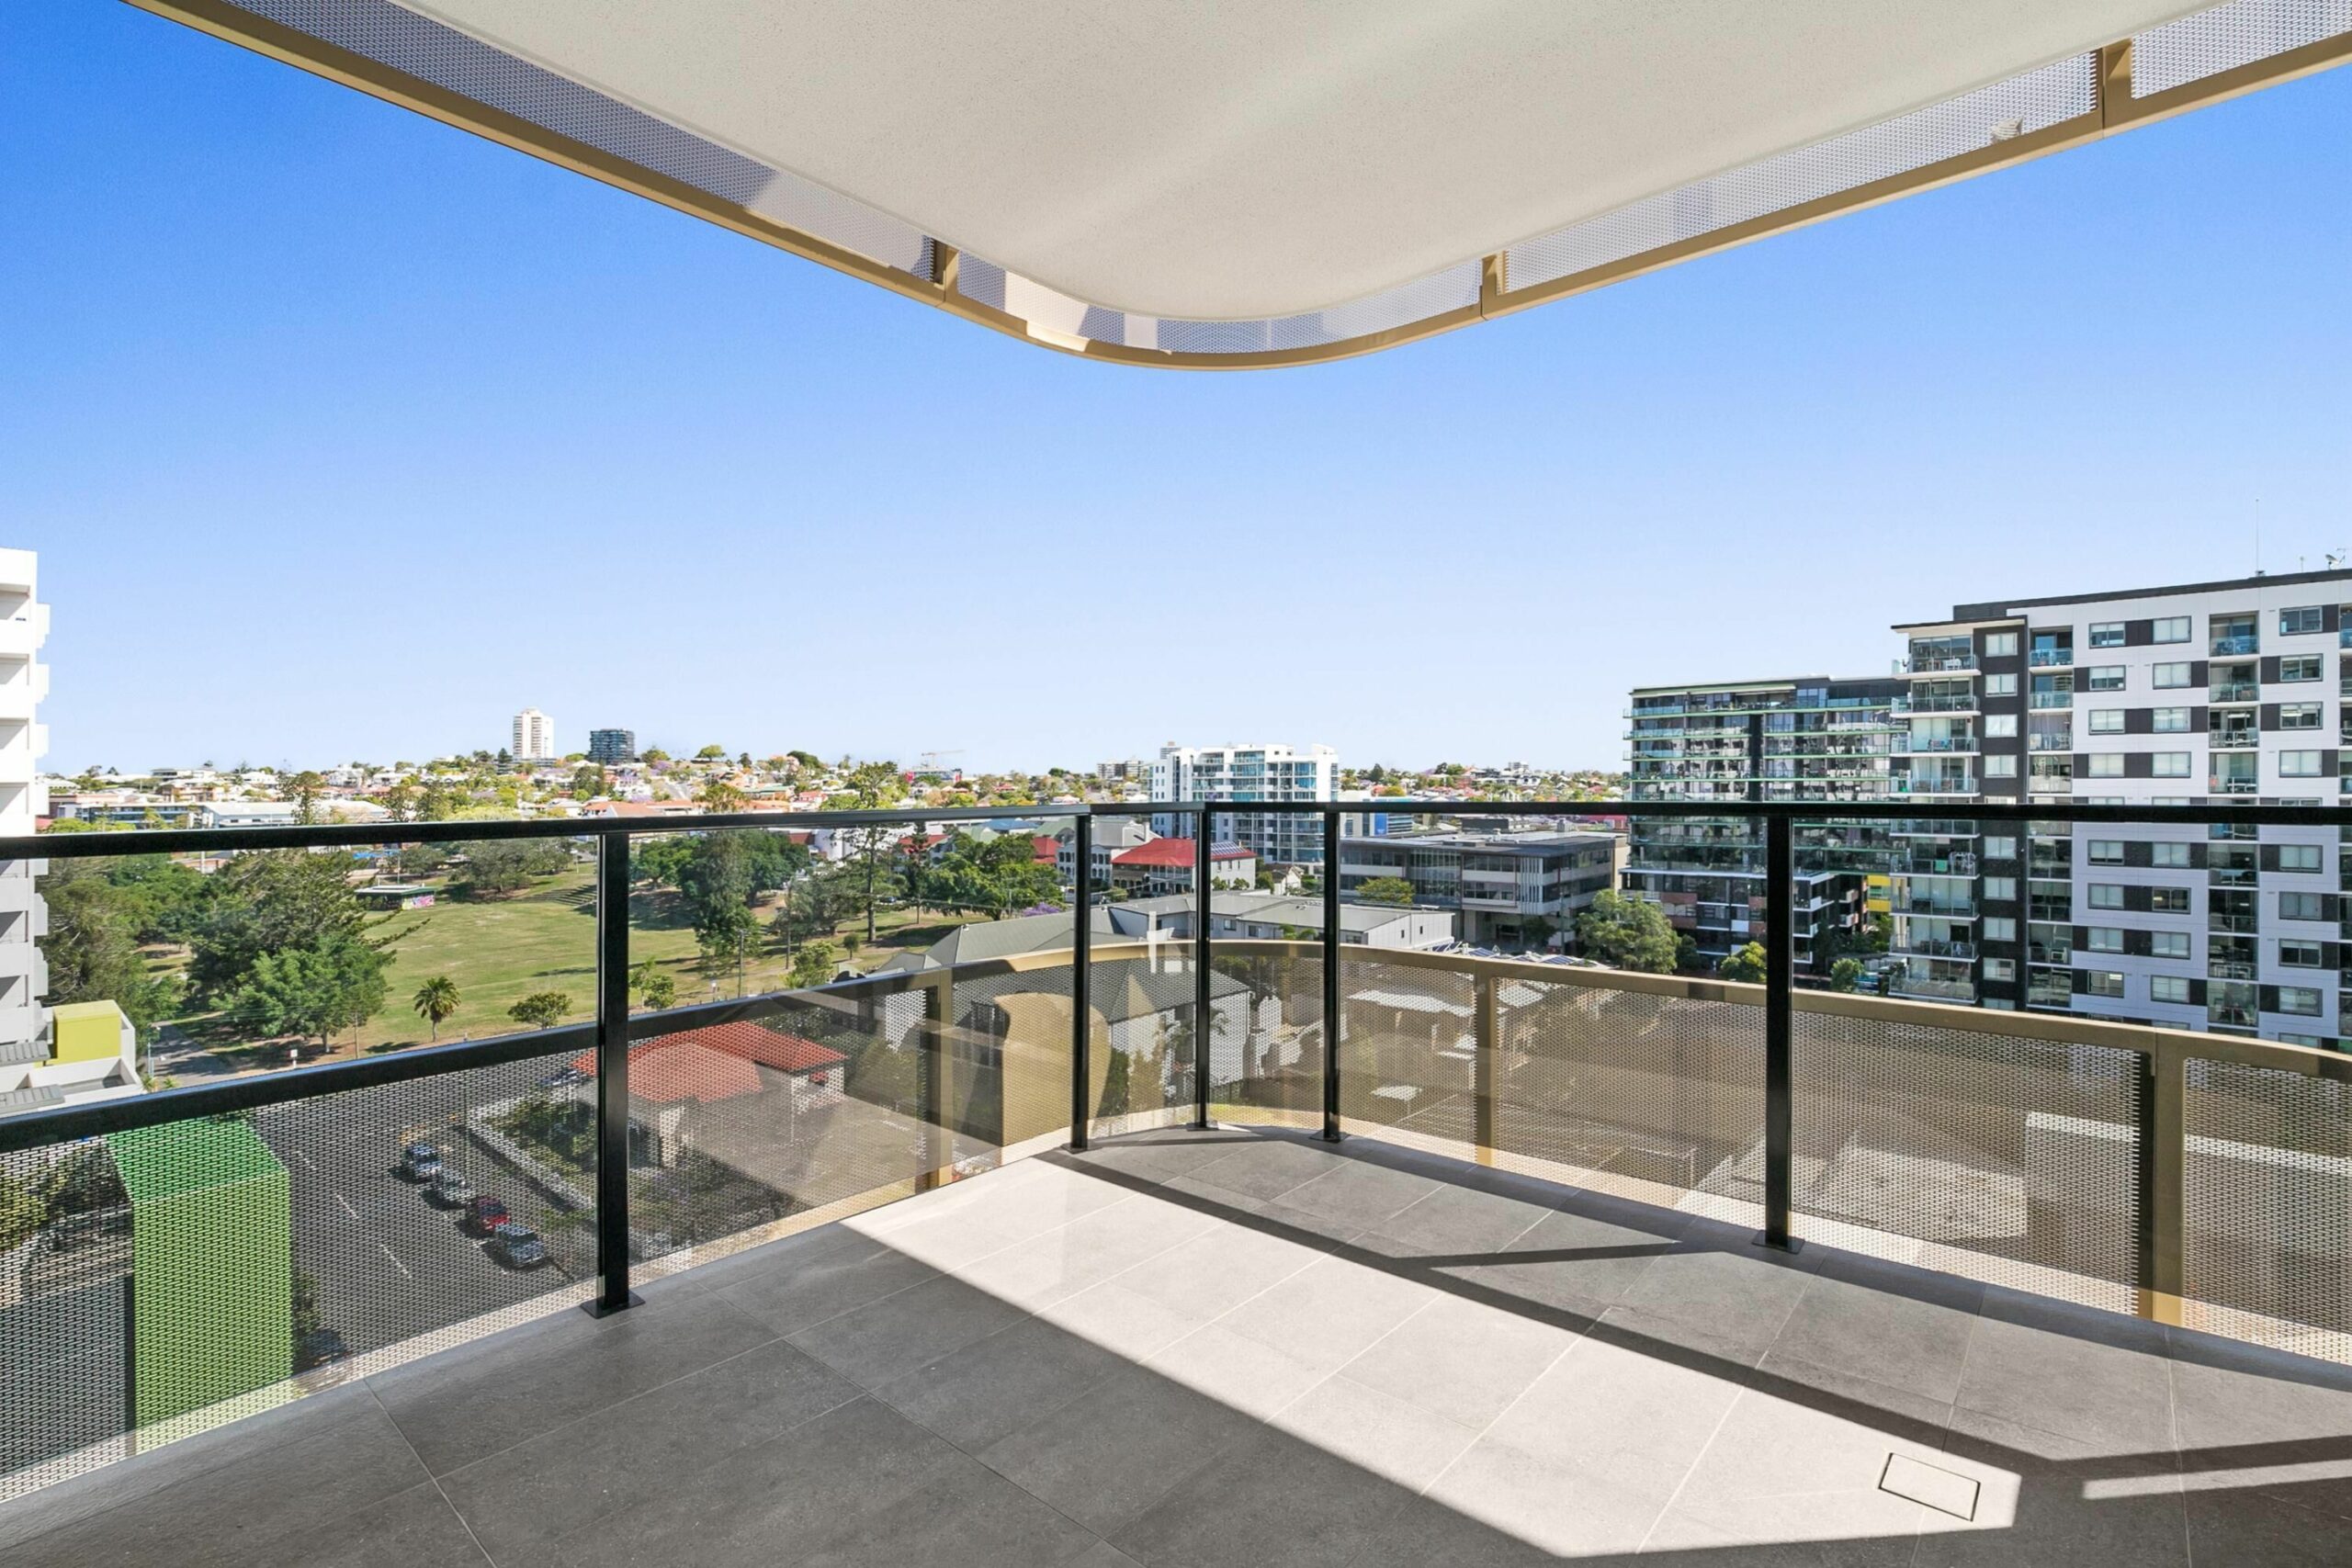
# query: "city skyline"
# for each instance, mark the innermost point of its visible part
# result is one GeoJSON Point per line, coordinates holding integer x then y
{"type": "Point", "coordinates": [408, 380]}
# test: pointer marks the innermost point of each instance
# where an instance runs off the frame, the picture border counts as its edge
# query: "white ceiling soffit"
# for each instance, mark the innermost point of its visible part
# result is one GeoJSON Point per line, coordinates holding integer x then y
{"type": "Point", "coordinates": [1263, 178]}
{"type": "Point", "coordinates": [1222, 159]}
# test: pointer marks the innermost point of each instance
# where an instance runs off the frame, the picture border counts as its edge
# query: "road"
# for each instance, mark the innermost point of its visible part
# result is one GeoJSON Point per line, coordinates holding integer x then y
{"type": "Point", "coordinates": [388, 1262]}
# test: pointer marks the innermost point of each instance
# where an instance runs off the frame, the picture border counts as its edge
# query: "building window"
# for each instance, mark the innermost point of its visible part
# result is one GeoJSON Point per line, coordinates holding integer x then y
{"type": "Point", "coordinates": [2301, 667]}
{"type": "Point", "coordinates": [2300, 906]}
{"type": "Point", "coordinates": [2000, 767]}
{"type": "Point", "coordinates": [2169, 945]}
{"type": "Point", "coordinates": [2102, 983]}
{"type": "Point", "coordinates": [2000, 849]}
{"type": "Point", "coordinates": [2299, 622]}
{"type": "Point", "coordinates": [2173, 857]}
{"type": "Point", "coordinates": [2000, 645]}
{"type": "Point", "coordinates": [2287, 1039]}
{"type": "Point", "coordinates": [2001, 889]}
{"type": "Point", "coordinates": [2107, 851]}
{"type": "Point", "coordinates": [2000, 969]}
{"type": "Point", "coordinates": [2107, 721]}
{"type": "Point", "coordinates": [2169, 721]}
{"type": "Point", "coordinates": [2299, 716]}
{"type": "Point", "coordinates": [2302, 1001]}
{"type": "Point", "coordinates": [2105, 677]}
{"type": "Point", "coordinates": [2105, 939]}
{"type": "Point", "coordinates": [2167, 988]}
{"type": "Point", "coordinates": [1999, 928]}
{"type": "Point", "coordinates": [2171, 629]}
{"type": "Point", "coordinates": [2000, 727]}
{"type": "Point", "coordinates": [2106, 634]}
{"type": "Point", "coordinates": [2168, 900]}
{"type": "Point", "coordinates": [2298, 955]}
{"type": "Point", "coordinates": [2000, 685]}
{"type": "Point", "coordinates": [2299, 857]}
{"type": "Point", "coordinates": [2106, 895]}
{"type": "Point", "coordinates": [2168, 676]}
{"type": "Point", "coordinates": [2298, 765]}
{"type": "Point", "coordinates": [2107, 765]}
{"type": "Point", "coordinates": [2169, 764]}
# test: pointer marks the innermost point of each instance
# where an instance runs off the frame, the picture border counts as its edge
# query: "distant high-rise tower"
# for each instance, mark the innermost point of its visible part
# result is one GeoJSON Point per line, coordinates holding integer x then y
{"type": "Point", "coordinates": [534, 737]}
{"type": "Point", "coordinates": [24, 681]}
{"type": "Point", "coordinates": [610, 748]}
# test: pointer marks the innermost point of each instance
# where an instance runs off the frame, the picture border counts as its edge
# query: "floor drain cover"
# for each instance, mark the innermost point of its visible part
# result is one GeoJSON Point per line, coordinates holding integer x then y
{"type": "Point", "coordinates": [1937, 1489]}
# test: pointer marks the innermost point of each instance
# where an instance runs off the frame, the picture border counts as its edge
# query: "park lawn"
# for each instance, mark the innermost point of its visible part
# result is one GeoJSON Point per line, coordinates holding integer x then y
{"type": "Point", "coordinates": [498, 951]}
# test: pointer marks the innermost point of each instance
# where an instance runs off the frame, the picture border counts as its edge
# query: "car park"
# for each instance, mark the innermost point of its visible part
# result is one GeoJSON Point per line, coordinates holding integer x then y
{"type": "Point", "coordinates": [485, 1213]}
{"type": "Point", "coordinates": [450, 1189]}
{"type": "Point", "coordinates": [420, 1161]}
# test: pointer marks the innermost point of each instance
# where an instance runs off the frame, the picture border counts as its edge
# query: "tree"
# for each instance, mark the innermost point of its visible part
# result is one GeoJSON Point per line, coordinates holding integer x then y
{"type": "Point", "coordinates": [271, 902]}
{"type": "Point", "coordinates": [435, 1001]}
{"type": "Point", "coordinates": [587, 782]}
{"type": "Point", "coordinates": [541, 1010]}
{"type": "Point", "coordinates": [814, 964]}
{"type": "Point", "coordinates": [313, 990]}
{"type": "Point", "coordinates": [1115, 1086]}
{"type": "Point", "coordinates": [1748, 964]}
{"type": "Point", "coordinates": [872, 786]}
{"type": "Point", "coordinates": [710, 754]}
{"type": "Point", "coordinates": [1845, 974]}
{"type": "Point", "coordinates": [658, 990]}
{"type": "Point", "coordinates": [304, 789]}
{"type": "Point", "coordinates": [720, 796]}
{"type": "Point", "coordinates": [1386, 890]}
{"type": "Point", "coordinates": [1627, 933]}
{"type": "Point", "coordinates": [498, 866]}
{"type": "Point", "coordinates": [92, 947]}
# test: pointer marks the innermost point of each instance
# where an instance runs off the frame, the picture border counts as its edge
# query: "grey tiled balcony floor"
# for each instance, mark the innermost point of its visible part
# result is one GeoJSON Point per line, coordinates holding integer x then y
{"type": "Point", "coordinates": [1251, 1347]}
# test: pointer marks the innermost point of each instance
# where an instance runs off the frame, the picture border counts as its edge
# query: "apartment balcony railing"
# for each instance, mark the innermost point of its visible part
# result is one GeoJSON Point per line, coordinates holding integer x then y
{"type": "Point", "coordinates": [2045, 657]}
{"type": "Point", "coordinates": [1934, 947]}
{"type": "Point", "coordinates": [1937, 785]}
{"type": "Point", "coordinates": [2122, 1166]}
{"type": "Point", "coordinates": [2236, 692]}
{"type": "Point", "coordinates": [1935, 664]}
{"type": "Point", "coordinates": [2237, 645]}
{"type": "Point", "coordinates": [2050, 700]}
{"type": "Point", "coordinates": [2047, 742]}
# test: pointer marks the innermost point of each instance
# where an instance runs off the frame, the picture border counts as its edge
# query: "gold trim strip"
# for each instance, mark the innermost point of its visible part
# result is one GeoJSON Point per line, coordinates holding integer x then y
{"type": "Point", "coordinates": [2117, 110]}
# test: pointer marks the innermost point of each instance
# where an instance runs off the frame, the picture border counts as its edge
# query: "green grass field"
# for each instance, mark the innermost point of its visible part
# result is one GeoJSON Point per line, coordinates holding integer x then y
{"type": "Point", "coordinates": [498, 951]}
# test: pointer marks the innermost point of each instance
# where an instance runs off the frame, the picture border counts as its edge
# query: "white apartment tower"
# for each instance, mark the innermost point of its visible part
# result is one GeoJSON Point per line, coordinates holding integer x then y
{"type": "Point", "coordinates": [1252, 772]}
{"type": "Point", "coordinates": [24, 681]}
{"type": "Point", "coordinates": [534, 737]}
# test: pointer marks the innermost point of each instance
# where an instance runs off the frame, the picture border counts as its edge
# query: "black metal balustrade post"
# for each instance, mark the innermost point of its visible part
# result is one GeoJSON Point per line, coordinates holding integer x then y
{"type": "Point", "coordinates": [1081, 946]}
{"type": "Point", "coordinates": [1331, 977]}
{"type": "Point", "coordinates": [612, 1075]}
{"type": "Point", "coordinates": [1203, 1018]}
{"type": "Point", "coordinates": [1779, 949]}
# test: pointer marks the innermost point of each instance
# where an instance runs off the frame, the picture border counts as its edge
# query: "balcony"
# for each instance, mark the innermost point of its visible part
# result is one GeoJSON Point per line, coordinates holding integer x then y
{"type": "Point", "coordinates": [1517, 1314]}
{"type": "Point", "coordinates": [2050, 658]}
{"type": "Point", "coordinates": [2237, 691]}
{"type": "Point", "coordinates": [2237, 645]}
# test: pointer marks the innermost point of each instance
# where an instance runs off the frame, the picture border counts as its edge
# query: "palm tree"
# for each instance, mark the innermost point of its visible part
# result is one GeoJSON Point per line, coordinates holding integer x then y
{"type": "Point", "coordinates": [436, 1000]}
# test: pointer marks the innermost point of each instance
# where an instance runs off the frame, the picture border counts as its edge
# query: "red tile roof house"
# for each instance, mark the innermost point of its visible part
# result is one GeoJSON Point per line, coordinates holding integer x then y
{"type": "Point", "coordinates": [1165, 865]}
{"type": "Point", "coordinates": [672, 1077]}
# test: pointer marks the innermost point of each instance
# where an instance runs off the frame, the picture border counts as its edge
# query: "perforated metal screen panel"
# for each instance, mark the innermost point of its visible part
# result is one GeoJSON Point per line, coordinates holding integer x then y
{"type": "Point", "coordinates": [2228, 36]}
{"type": "Point", "coordinates": [1409, 1053]}
{"type": "Point", "coordinates": [1997, 1157]}
{"type": "Point", "coordinates": [1655, 1098]}
{"type": "Point", "coordinates": [1267, 1064]}
{"type": "Point", "coordinates": [2267, 1253]}
{"type": "Point", "coordinates": [181, 1275]}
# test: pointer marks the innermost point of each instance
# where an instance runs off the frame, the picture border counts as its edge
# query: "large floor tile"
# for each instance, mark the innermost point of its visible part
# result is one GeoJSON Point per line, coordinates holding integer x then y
{"type": "Point", "coordinates": [2231, 1395]}
{"type": "Point", "coordinates": [968, 1517]}
{"type": "Point", "coordinates": [1553, 1505]}
{"type": "Point", "coordinates": [1571, 1263]}
{"type": "Point", "coordinates": [2074, 1502]}
{"type": "Point", "coordinates": [1062, 1262]}
{"type": "Point", "coordinates": [1399, 1442]}
{"type": "Point", "coordinates": [1358, 1193]}
{"type": "Point", "coordinates": [1461, 1360]}
{"type": "Point", "coordinates": [617, 1457]}
{"type": "Point", "coordinates": [1267, 1167]}
{"type": "Point", "coordinates": [1679, 1540]}
{"type": "Point", "coordinates": [1241, 1374]}
{"type": "Point", "coordinates": [455, 1421]}
{"type": "Point", "coordinates": [1727, 1291]}
{"type": "Point", "coordinates": [1106, 1458]}
{"type": "Point", "coordinates": [2243, 1530]}
{"type": "Point", "coordinates": [762, 1504]}
{"type": "Point", "coordinates": [1329, 1312]}
{"type": "Point", "coordinates": [1885, 1324]}
{"type": "Point", "coordinates": [997, 1385]}
{"type": "Point", "coordinates": [1456, 1224]}
{"type": "Point", "coordinates": [2093, 1376]}
{"type": "Point", "coordinates": [1427, 1532]}
{"type": "Point", "coordinates": [1117, 1319]}
{"type": "Point", "coordinates": [803, 1287]}
{"type": "Point", "coordinates": [887, 1339]}
{"type": "Point", "coordinates": [1160, 1156]}
{"type": "Point", "coordinates": [1270, 1500]}
{"type": "Point", "coordinates": [1777, 1470]}
{"type": "Point", "coordinates": [1214, 1273]}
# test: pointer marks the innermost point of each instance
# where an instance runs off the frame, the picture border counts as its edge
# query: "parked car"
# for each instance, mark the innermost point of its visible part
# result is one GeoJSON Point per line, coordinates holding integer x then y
{"type": "Point", "coordinates": [518, 1245]}
{"type": "Point", "coordinates": [322, 1348]}
{"type": "Point", "coordinates": [420, 1162]}
{"type": "Point", "coordinates": [564, 1076]}
{"type": "Point", "coordinates": [485, 1213]}
{"type": "Point", "coordinates": [450, 1187]}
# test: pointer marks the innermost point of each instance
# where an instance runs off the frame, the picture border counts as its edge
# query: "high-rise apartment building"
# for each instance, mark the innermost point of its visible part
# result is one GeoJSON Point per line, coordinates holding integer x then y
{"type": "Point", "coordinates": [2205, 692]}
{"type": "Point", "coordinates": [611, 748]}
{"type": "Point", "coordinates": [534, 737]}
{"type": "Point", "coordinates": [1246, 774]}
{"type": "Point", "coordinates": [24, 681]}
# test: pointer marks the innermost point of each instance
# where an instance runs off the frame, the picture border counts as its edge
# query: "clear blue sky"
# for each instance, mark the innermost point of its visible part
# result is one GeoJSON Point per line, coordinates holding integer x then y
{"type": "Point", "coordinates": [345, 435]}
